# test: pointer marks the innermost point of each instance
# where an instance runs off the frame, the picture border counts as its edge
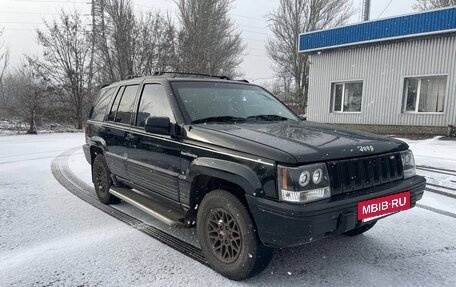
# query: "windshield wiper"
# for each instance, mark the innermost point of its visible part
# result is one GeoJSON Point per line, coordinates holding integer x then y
{"type": "Point", "coordinates": [219, 119]}
{"type": "Point", "coordinates": [269, 118]}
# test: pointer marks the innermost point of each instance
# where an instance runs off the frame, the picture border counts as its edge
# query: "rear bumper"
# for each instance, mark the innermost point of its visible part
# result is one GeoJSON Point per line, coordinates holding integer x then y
{"type": "Point", "coordinates": [284, 225]}
{"type": "Point", "coordinates": [86, 149]}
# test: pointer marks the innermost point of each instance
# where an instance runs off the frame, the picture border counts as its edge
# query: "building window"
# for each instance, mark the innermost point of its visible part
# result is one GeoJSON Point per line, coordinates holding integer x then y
{"type": "Point", "coordinates": [424, 95]}
{"type": "Point", "coordinates": [347, 97]}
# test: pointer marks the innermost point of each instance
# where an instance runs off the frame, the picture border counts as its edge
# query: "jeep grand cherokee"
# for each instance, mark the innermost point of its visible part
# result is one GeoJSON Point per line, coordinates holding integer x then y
{"type": "Point", "coordinates": [230, 158]}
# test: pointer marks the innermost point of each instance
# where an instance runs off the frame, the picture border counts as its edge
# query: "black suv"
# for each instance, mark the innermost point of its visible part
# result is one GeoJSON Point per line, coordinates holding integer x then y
{"type": "Point", "coordinates": [230, 158]}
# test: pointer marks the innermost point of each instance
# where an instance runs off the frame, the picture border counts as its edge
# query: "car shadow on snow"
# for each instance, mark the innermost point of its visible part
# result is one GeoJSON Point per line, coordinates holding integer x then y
{"type": "Point", "coordinates": [339, 260]}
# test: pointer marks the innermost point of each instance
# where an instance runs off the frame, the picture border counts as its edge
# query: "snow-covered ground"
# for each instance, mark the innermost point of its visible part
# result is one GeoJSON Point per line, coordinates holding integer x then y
{"type": "Point", "coordinates": [18, 127]}
{"type": "Point", "coordinates": [49, 237]}
{"type": "Point", "coordinates": [439, 154]}
{"type": "Point", "coordinates": [434, 152]}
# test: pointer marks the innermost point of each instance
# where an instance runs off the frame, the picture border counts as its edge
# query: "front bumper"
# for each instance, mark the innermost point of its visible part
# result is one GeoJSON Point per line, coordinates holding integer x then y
{"type": "Point", "coordinates": [282, 224]}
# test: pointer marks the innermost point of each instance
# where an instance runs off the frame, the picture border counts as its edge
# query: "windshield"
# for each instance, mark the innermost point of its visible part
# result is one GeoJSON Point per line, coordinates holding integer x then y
{"type": "Point", "coordinates": [229, 101]}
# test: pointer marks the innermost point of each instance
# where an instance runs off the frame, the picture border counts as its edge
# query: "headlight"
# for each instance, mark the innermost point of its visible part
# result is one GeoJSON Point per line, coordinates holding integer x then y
{"type": "Point", "coordinates": [303, 184]}
{"type": "Point", "coordinates": [408, 164]}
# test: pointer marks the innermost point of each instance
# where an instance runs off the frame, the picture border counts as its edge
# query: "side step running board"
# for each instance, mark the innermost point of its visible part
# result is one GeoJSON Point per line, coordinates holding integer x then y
{"type": "Point", "coordinates": [150, 206]}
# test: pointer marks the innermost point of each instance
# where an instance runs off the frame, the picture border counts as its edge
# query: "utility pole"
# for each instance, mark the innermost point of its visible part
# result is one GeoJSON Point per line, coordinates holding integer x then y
{"type": "Point", "coordinates": [366, 10]}
{"type": "Point", "coordinates": [92, 52]}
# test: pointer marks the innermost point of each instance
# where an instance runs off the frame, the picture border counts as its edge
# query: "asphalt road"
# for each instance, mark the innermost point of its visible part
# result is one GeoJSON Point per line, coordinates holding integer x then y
{"type": "Point", "coordinates": [50, 237]}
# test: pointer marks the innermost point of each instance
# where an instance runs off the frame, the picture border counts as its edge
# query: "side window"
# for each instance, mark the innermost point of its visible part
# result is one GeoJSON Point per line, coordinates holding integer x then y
{"type": "Point", "coordinates": [347, 97]}
{"type": "Point", "coordinates": [425, 95]}
{"type": "Point", "coordinates": [126, 105]}
{"type": "Point", "coordinates": [154, 102]}
{"type": "Point", "coordinates": [115, 105]}
{"type": "Point", "coordinates": [101, 104]}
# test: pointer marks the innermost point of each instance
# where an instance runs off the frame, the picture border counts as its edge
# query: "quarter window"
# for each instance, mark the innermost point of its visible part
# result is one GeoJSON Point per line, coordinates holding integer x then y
{"type": "Point", "coordinates": [424, 95]}
{"type": "Point", "coordinates": [154, 102]}
{"type": "Point", "coordinates": [101, 104]}
{"type": "Point", "coordinates": [347, 97]}
{"type": "Point", "coordinates": [115, 105]}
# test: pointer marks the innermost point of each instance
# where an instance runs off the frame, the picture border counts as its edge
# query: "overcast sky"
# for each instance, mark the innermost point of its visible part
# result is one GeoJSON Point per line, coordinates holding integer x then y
{"type": "Point", "coordinates": [20, 18]}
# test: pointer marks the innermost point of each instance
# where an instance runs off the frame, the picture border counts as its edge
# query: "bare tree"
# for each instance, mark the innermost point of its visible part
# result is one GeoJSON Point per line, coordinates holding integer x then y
{"type": "Point", "coordinates": [66, 62]}
{"type": "Point", "coordinates": [115, 31]}
{"type": "Point", "coordinates": [128, 45]}
{"type": "Point", "coordinates": [424, 5]}
{"type": "Point", "coordinates": [4, 61]}
{"type": "Point", "coordinates": [287, 22]}
{"type": "Point", "coordinates": [4, 57]}
{"type": "Point", "coordinates": [156, 44]}
{"type": "Point", "coordinates": [208, 41]}
{"type": "Point", "coordinates": [32, 97]}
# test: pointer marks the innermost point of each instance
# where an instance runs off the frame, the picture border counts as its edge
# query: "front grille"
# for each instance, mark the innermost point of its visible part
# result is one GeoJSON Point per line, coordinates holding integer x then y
{"type": "Point", "coordinates": [360, 173]}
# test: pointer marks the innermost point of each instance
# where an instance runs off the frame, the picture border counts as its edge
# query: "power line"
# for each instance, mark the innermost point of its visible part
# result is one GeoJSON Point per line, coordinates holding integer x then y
{"type": "Point", "coordinates": [27, 13]}
{"type": "Point", "coordinates": [389, 3]}
{"type": "Point", "coordinates": [254, 40]}
{"type": "Point", "coordinates": [18, 29]}
{"type": "Point", "coordinates": [255, 32]}
{"type": "Point", "coordinates": [17, 22]}
{"type": "Point", "coordinates": [248, 17]}
{"type": "Point", "coordinates": [52, 1]}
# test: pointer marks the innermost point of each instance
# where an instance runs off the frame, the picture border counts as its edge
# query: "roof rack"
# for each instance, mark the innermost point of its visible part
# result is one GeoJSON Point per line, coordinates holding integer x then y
{"type": "Point", "coordinates": [161, 73]}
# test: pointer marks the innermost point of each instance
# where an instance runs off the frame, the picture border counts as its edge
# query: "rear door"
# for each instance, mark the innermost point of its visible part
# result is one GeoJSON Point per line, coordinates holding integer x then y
{"type": "Point", "coordinates": [118, 123]}
{"type": "Point", "coordinates": [154, 161]}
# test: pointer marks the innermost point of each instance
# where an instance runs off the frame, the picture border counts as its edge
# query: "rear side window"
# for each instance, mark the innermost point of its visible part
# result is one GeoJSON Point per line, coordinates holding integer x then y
{"type": "Point", "coordinates": [126, 105]}
{"type": "Point", "coordinates": [101, 104]}
{"type": "Point", "coordinates": [154, 102]}
{"type": "Point", "coordinates": [115, 105]}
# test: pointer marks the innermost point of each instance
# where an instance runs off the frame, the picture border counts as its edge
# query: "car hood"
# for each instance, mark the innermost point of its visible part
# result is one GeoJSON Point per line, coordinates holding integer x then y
{"type": "Point", "coordinates": [302, 141]}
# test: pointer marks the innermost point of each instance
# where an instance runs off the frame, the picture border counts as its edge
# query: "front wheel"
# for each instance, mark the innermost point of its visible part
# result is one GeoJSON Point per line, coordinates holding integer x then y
{"type": "Point", "coordinates": [228, 238]}
{"type": "Point", "coordinates": [360, 230]}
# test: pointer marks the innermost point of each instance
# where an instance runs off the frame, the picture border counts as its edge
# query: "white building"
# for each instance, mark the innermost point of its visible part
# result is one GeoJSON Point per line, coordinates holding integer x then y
{"type": "Point", "coordinates": [389, 75]}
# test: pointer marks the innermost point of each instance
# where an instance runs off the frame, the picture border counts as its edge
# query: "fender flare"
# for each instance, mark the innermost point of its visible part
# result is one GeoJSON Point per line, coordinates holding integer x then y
{"type": "Point", "coordinates": [99, 142]}
{"type": "Point", "coordinates": [236, 173]}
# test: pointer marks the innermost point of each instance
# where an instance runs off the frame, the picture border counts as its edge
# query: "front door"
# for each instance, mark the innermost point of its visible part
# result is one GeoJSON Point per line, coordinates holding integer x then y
{"type": "Point", "coordinates": [154, 160]}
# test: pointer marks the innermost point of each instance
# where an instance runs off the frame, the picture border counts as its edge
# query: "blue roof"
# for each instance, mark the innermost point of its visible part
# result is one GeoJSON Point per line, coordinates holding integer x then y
{"type": "Point", "coordinates": [407, 26]}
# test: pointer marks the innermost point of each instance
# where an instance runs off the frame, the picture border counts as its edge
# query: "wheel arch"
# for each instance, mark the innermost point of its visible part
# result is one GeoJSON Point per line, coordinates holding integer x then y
{"type": "Point", "coordinates": [207, 174]}
{"type": "Point", "coordinates": [98, 146]}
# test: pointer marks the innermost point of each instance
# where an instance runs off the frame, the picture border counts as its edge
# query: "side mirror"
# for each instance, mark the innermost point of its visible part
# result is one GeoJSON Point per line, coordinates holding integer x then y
{"type": "Point", "coordinates": [303, 117]}
{"type": "Point", "coordinates": [158, 125]}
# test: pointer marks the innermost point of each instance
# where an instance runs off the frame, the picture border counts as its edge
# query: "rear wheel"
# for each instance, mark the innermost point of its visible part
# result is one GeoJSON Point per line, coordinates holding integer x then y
{"type": "Point", "coordinates": [228, 238]}
{"type": "Point", "coordinates": [101, 177]}
{"type": "Point", "coordinates": [360, 230]}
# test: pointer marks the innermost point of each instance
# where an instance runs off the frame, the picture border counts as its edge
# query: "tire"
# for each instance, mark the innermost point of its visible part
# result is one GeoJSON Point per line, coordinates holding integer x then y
{"type": "Point", "coordinates": [224, 224]}
{"type": "Point", "coordinates": [360, 230]}
{"type": "Point", "coordinates": [101, 177]}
